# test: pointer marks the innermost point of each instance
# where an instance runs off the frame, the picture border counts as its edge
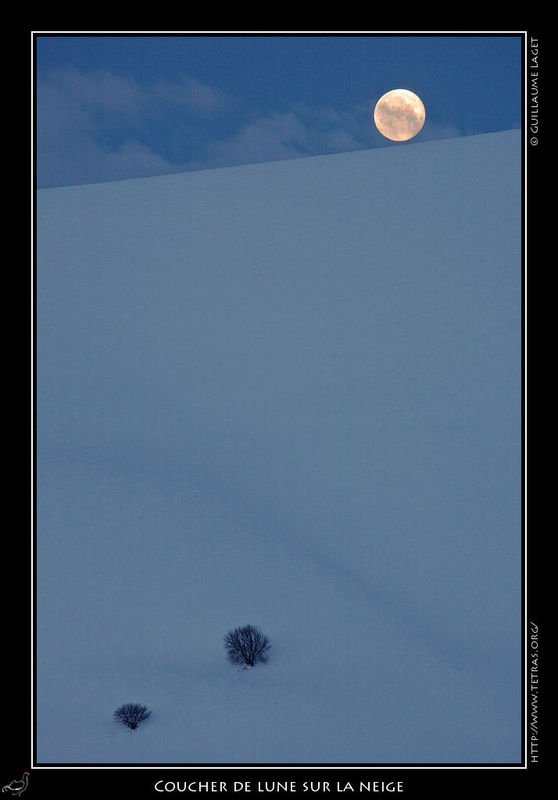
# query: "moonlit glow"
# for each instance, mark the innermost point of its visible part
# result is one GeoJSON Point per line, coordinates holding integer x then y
{"type": "Point", "coordinates": [399, 115]}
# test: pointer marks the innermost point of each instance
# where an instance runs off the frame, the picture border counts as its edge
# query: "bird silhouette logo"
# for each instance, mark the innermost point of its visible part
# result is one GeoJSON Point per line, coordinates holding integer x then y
{"type": "Point", "coordinates": [17, 787]}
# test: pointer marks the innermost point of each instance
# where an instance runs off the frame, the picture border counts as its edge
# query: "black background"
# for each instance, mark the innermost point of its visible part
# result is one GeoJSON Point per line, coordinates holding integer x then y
{"type": "Point", "coordinates": [17, 584]}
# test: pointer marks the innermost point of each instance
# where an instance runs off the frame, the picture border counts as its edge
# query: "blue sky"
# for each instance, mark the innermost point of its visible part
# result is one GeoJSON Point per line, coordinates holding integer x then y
{"type": "Point", "coordinates": [120, 106]}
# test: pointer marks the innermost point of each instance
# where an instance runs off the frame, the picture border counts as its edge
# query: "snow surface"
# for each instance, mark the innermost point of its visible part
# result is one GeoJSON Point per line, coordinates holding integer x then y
{"type": "Point", "coordinates": [285, 394]}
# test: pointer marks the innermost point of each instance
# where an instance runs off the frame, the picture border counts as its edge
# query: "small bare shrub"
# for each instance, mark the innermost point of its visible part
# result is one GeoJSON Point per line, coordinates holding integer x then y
{"type": "Point", "coordinates": [131, 714]}
{"type": "Point", "coordinates": [247, 646]}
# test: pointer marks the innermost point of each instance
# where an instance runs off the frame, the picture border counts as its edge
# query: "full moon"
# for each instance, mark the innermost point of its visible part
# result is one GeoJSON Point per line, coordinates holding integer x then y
{"type": "Point", "coordinates": [399, 115]}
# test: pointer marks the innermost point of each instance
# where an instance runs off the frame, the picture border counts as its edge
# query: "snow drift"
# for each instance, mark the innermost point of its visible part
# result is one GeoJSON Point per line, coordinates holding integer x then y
{"type": "Point", "coordinates": [289, 395]}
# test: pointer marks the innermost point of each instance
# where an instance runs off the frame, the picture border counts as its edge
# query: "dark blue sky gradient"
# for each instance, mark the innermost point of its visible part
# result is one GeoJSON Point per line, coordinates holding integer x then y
{"type": "Point", "coordinates": [469, 85]}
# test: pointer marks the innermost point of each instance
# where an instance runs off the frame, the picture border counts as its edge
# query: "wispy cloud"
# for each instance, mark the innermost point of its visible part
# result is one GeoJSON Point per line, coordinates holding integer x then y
{"type": "Point", "coordinates": [300, 131]}
{"type": "Point", "coordinates": [100, 126]}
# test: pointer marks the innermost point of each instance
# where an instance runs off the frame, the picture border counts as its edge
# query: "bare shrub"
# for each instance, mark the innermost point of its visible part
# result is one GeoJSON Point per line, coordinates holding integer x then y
{"type": "Point", "coordinates": [247, 646]}
{"type": "Point", "coordinates": [131, 714]}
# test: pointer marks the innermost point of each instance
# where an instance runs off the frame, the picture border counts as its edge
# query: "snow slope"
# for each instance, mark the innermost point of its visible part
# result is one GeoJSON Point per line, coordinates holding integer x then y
{"type": "Point", "coordinates": [287, 394]}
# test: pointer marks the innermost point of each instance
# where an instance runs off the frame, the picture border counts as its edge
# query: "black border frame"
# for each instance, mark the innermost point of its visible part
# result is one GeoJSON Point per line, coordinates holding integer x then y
{"type": "Point", "coordinates": [436, 779]}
